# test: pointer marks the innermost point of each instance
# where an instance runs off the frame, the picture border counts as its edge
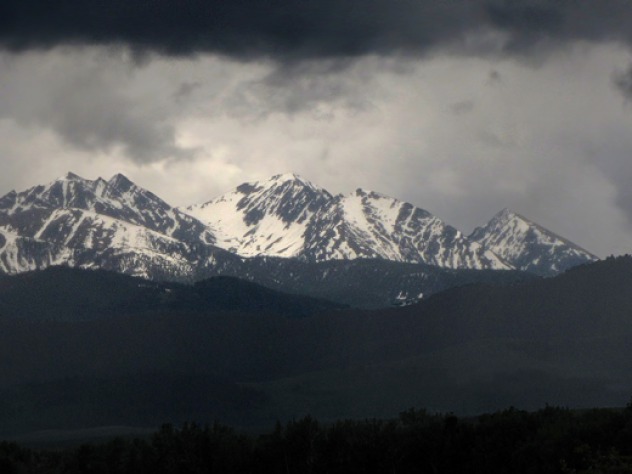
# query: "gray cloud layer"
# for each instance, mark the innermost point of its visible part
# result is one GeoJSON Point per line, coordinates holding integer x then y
{"type": "Point", "coordinates": [623, 81]}
{"type": "Point", "coordinates": [83, 98]}
{"type": "Point", "coordinates": [461, 137]}
{"type": "Point", "coordinates": [349, 93]}
{"type": "Point", "coordinates": [290, 29]}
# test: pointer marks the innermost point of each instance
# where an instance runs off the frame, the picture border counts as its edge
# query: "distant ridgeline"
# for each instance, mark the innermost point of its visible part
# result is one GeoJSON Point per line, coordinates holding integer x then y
{"type": "Point", "coordinates": [363, 249]}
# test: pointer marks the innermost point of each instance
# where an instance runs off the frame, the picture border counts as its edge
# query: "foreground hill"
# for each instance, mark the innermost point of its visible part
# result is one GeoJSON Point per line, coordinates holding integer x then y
{"type": "Point", "coordinates": [562, 341]}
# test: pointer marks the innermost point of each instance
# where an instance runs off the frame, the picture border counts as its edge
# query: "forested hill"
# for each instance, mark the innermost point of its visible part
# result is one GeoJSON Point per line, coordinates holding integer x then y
{"type": "Point", "coordinates": [67, 294]}
{"type": "Point", "coordinates": [559, 341]}
{"type": "Point", "coordinates": [584, 302]}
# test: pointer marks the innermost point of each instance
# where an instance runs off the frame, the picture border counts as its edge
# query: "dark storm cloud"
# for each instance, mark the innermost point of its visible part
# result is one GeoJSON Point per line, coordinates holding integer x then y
{"type": "Point", "coordinates": [302, 87]}
{"type": "Point", "coordinates": [536, 22]}
{"type": "Point", "coordinates": [242, 28]}
{"type": "Point", "coordinates": [297, 29]}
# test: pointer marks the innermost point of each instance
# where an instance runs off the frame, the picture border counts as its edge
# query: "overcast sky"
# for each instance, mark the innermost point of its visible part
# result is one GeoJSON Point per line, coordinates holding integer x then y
{"type": "Point", "coordinates": [462, 107]}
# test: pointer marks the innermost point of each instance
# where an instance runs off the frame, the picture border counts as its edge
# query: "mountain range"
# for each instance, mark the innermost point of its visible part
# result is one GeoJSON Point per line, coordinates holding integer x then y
{"type": "Point", "coordinates": [117, 225]}
{"type": "Point", "coordinates": [83, 348]}
{"type": "Point", "coordinates": [287, 216]}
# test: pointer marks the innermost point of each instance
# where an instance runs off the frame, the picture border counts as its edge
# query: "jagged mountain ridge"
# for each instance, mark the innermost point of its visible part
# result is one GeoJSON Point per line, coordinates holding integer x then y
{"type": "Point", "coordinates": [287, 216]}
{"type": "Point", "coordinates": [117, 225]}
{"type": "Point", "coordinates": [528, 246]}
{"type": "Point", "coordinates": [111, 224]}
{"type": "Point", "coordinates": [268, 218]}
{"type": "Point", "coordinates": [118, 198]}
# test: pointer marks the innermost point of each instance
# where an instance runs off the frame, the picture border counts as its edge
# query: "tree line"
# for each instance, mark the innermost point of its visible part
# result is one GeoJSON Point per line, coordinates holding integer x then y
{"type": "Point", "coordinates": [551, 440]}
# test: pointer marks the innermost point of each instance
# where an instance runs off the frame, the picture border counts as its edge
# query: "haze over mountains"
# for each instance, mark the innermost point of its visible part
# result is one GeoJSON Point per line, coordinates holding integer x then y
{"type": "Point", "coordinates": [120, 226]}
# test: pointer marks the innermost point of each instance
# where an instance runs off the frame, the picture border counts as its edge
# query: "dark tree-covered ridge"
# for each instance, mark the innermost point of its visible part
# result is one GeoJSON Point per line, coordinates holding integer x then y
{"type": "Point", "coordinates": [474, 349]}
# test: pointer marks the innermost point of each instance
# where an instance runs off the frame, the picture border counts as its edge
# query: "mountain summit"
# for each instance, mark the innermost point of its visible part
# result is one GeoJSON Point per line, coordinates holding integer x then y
{"type": "Point", "coordinates": [263, 217]}
{"type": "Point", "coordinates": [528, 246]}
{"type": "Point", "coordinates": [96, 224]}
{"type": "Point", "coordinates": [287, 216]}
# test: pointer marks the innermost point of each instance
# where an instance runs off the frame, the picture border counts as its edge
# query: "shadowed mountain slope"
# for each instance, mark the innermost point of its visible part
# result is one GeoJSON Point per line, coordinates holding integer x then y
{"type": "Point", "coordinates": [563, 340]}
{"type": "Point", "coordinates": [66, 294]}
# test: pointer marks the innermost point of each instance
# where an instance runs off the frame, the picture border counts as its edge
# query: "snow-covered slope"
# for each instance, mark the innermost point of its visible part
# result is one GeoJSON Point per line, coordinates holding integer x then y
{"type": "Point", "coordinates": [98, 224]}
{"type": "Point", "coordinates": [366, 224]}
{"type": "Point", "coordinates": [263, 218]}
{"type": "Point", "coordinates": [21, 254]}
{"type": "Point", "coordinates": [118, 198]}
{"type": "Point", "coordinates": [287, 216]}
{"type": "Point", "coordinates": [528, 246]}
{"type": "Point", "coordinates": [120, 226]}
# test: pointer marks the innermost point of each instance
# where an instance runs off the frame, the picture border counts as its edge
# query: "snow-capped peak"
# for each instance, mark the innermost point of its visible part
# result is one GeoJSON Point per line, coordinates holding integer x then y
{"type": "Point", "coordinates": [289, 177]}
{"type": "Point", "coordinates": [70, 176]}
{"type": "Point", "coordinates": [74, 221]}
{"type": "Point", "coordinates": [120, 181]}
{"type": "Point", "coordinates": [119, 198]}
{"type": "Point", "coordinates": [529, 246]}
{"type": "Point", "coordinates": [504, 215]}
{"type": "Point", "coordinates": [120, 188]}
{"type": "Point", "coordinates": [266, 217]}
{"type": "Point", "coordinates": [367, 224]}
{"type": "Point", "coordinates": [112, 224]}
{"type": "Point", "coordinates": [287, 216]}
{"type": "Point", "coordinates": [286, 181]}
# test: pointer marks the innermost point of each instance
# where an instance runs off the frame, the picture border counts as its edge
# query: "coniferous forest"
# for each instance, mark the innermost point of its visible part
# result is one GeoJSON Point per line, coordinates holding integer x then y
{"type": "Point", "coordinates": [551, 440]}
